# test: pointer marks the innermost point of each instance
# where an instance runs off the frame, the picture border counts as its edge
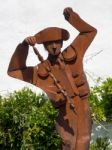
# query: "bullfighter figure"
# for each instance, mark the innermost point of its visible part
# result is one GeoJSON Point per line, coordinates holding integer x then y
{"type": "Point", "coordinates": [62, 77]}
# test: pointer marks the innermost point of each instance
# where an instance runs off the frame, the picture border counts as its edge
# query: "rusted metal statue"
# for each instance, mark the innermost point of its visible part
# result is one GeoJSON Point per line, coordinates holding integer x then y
{"type": "Point", "coordinates": [62, 77]}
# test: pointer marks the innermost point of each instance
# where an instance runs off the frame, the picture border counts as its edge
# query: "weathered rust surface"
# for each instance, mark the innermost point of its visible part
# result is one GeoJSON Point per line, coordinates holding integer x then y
{"type": "Point", "coordinates": [62, 77]}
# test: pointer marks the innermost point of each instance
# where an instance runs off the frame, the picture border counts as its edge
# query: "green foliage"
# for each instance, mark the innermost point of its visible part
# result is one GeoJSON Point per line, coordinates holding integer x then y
{"type": "Point", "coordinates": [98, 112]}
{"type": "Point", "coordinates": [101, 100]}
{"type": "Point", "coordinates": [101, 144]}
{"type": "Point", "coordinates": [106, 93]}
{"type": "Point", "coordinates": [27, 122]}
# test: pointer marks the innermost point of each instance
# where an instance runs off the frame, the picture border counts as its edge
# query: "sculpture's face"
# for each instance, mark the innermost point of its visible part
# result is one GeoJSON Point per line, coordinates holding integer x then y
{"type": "Point", "coordinates": [53, 47]}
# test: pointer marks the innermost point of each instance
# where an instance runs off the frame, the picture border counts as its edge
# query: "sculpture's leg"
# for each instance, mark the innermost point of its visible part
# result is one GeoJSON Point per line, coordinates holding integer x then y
{"type": "Point", "coordinates": [84, 125]}
{"type": "Point", "coordinates": [66, 125]}
{"type": "Point", "coordinates": [75, 127]}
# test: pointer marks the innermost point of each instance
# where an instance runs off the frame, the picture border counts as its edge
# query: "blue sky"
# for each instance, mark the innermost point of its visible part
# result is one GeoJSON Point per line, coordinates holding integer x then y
{"type": "Point", "coordinates": [22, 18]}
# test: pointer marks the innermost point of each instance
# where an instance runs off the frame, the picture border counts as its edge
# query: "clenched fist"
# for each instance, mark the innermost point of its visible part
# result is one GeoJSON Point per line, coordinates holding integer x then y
{"type": "Point", "coordinates": [67, 11]}
{"type": "Point", "coordinates": [31, 40]}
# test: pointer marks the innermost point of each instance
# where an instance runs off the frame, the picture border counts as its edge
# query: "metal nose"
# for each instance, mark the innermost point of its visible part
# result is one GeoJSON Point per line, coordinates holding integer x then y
{"type": "Point", "coordinates": [54, 45]}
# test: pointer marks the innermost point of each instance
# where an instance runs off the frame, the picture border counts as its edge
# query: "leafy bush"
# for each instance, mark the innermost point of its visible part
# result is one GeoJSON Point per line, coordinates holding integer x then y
{"type": "Point", "coordinates": [101, 144]}
{"type": "Point", "coordinates": [106, 94]}
{"type": "Point", "coordinates": [97, 106]}
{"type": "Point", "coordinates": [27, 122]}
{"type": "Point", "coordinates": [101, 100]}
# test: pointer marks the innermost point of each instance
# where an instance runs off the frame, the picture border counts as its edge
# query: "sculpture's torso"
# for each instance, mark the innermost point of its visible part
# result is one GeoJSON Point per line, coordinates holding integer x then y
{"type": "Point", "coordinates": [68, 73]}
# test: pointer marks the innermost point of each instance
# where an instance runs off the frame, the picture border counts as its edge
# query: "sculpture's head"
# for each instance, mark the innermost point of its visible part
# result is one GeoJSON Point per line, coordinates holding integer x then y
{"type": "Point", "coordinates": [53, 47]}
{"type": "Point", "coordinates": [52, 38]}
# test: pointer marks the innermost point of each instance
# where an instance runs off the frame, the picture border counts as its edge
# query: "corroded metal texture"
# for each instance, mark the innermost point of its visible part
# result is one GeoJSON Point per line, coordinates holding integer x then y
{"type": "Point", "coordinates": [62, 77]}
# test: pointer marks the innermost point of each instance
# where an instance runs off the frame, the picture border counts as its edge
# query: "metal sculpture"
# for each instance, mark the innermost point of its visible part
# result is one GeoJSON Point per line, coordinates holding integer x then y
{"type": "Point", "coordinates": [62, 77]}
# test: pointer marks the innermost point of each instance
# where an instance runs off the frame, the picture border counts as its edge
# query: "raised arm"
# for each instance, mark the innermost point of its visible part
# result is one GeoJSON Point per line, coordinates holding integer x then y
{"type": "Point", "coordinates": [86, 31]}
{"type": "Point", "coordinates": [17, 66]}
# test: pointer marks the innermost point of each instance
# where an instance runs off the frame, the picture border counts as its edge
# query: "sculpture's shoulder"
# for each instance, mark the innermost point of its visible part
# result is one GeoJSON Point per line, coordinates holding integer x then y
{"type": "Point", "coordinates": [69, 54]}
